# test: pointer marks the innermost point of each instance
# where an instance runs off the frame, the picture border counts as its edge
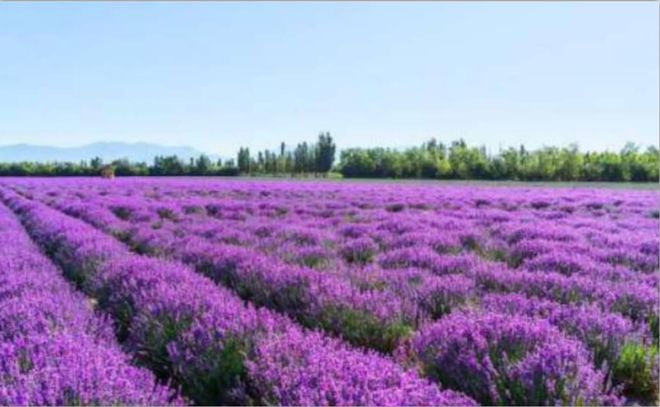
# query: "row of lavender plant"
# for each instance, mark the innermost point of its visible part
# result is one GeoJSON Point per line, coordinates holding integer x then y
{"type": "Point", "coordinates": [529, 237]}
{"type": "Point", "coordinates": [621, 347]}
{"type": "Point", "coordinates": [375, 319]}
{"type": "Point", "coordinates": [632, 366]}
{"type": "Point", "coordinates": [410, 217]}
{"type": "Point", "coordinates": [54, 349]}
{"type": "Point", "coordinates": [203, 338]}
{"type": "Point", "coordinates": [605, 334]}
{"type": "Point", "coordinates": [414, 253]}
{"type": "Point", "coordinates": [638, 301]}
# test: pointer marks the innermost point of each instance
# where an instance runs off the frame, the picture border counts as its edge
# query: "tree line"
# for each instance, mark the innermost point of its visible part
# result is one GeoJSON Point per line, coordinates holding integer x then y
{"type": "Point", "coordinates": [305, 158]}
{"type": "Point", "coordinates": [432, 160]}
{"type": "Point", "coordinates": [162, 166]}
{"type": "Point", "coordinates": [436, 160]}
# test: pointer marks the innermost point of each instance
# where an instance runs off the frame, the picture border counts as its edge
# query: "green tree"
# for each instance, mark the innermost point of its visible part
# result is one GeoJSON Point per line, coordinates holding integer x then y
{"type": "Point", "coordinates": [203, 165]}
{"type": "Point", "coordinates": [243, 160]}
{"type": "Point", "coordinates": [96, 163]}
{"type": "Point", "coordinates": [325, 153]}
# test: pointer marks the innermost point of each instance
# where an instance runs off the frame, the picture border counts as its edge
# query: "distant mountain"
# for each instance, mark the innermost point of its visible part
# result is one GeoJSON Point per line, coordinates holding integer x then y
{"type": "Point", "coordinates": [107, 151]}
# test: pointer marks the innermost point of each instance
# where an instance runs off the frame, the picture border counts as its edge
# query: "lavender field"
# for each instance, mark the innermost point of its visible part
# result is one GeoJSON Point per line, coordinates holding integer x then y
{"type": "Point", "coordinates": [181, 291]}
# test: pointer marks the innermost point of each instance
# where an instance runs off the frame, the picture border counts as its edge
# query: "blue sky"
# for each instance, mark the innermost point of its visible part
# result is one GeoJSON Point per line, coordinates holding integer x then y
{"type": "Point", "coordinates": [219, 75]}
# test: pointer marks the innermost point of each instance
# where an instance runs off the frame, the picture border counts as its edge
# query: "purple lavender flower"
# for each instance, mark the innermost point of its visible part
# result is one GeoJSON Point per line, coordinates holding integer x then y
{"type": "Point", "coordinates": [503, 359]}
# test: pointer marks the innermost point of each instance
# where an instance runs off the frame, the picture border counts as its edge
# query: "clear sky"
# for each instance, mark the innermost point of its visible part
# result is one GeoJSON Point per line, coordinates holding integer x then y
{"type": "Point", "coordinates": [219, 75]}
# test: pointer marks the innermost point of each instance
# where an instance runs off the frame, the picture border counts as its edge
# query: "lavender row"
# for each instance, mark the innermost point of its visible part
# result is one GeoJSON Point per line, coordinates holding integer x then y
{"type": "Point", "coordinates": [562, 260]}
{"type": "Point", "coordinates": [604, 334]}
{"type": "Point", "coordinates": [628, 302]}
{"type": "Point", "coordinates": [54, 349]}
{"type": "Point", "coordinates": [425, 294]}
{"type": "Point", "coordinates": [492, 231]}
{"type": "Point", "coordinates": [200, 336]}
{"type": "Point", "coordinates": [534, 244]}
{"type": "Point", "coordinates": [365, 317]}
{"type": "Point", "coordinates": [511, 360]}
{"type": "Point", "coordinates": [586, 263]}
{"type": "Point", "coordinates": [637, 301]}
{"type": "Point", "coordinates": [633, 240]}
{"type": "Point", "coordinates": [610, 337]}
